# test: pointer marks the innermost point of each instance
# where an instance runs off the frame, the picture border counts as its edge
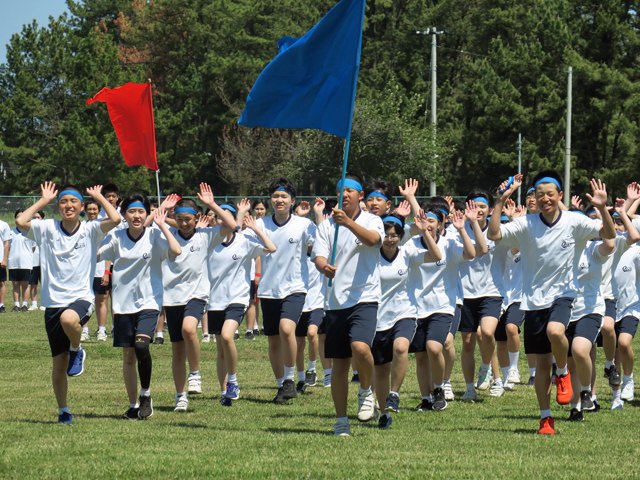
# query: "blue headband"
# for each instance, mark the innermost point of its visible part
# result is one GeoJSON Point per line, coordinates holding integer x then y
{"type": "Point", "coordinates": [433, 215]}
{"type": "Point", "coordinates": [444, 212]}
{"type": "Point", "coordinates": [504, 218]}
{"type": "Point", "coordinates": [530, 191]}
{"type": "Point", "coordinates": [590, 211]}
{"type": "Point", "coordinates": [72, 193]}
{"type": "Point", "coordinates": [282, 189]}
{"type": "Point", "coordinates": [481, 200]}
{"type": "Point", "coordinates": [615, 215]}
{"type": "Point", "coordinates": [229, 207]}
{"type": "Point", "coordinates": [350, 183]}
{"type": "Point", "coordinates": [548, 180]}
{"type": "Point", "coordinates": [136, 205]}
{"type": "Point", "coordinates": [392, 219]}
{"type": "Point", "coordinates": [190, 210]}
{"type": "Point", "coordinates": [377, 194]}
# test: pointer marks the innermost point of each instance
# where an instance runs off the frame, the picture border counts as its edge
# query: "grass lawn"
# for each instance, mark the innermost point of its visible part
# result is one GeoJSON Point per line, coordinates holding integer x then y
{"type": "Point", "coordinates": [255, 439]}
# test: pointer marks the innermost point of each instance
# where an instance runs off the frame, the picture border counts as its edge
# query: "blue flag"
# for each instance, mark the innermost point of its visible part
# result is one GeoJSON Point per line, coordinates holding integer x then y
{"type": "Point", "coordinates": [312, 81]}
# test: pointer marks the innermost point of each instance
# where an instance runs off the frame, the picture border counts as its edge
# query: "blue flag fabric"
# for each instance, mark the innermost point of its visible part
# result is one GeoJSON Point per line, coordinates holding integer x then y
{"type": "Point", "coordinates": [311, 82]}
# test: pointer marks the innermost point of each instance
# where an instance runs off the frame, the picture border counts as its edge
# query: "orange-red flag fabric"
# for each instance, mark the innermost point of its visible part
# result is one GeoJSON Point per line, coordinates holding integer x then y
{"type": "Point", "coordinates": [131, 112]}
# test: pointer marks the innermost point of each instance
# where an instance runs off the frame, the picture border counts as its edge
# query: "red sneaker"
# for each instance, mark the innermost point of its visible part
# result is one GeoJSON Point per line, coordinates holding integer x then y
{"type": "Point", "coordinates": [564, 391]}
{"type": "Point", "coordinates": [546, 426]}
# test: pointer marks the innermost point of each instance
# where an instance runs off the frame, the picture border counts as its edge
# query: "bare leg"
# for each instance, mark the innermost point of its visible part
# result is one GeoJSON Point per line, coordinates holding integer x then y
{"type": "Point", "coordinates": [581, 354]}
{"type": "Point", "coordinates": [178, 360]}
{"type": "Point", "coordinates": [59, 378]}
{"type": "Point", "coordinates": [364, 362]}
{"type": "Point", "coordinates": [221, 366]}
{"type": "Point", "coordinates": [102, 308]}
{"type": "Point", "coordinates": [288, 342]}
{"type": "Point", "coordinates": [436, 361]}
{"type": "Point", "coordinates": [275, 356]}
{"type": "Point", "coordinates": [192, 345]}
{"type": "Point", "coordinates": [609, 338]}
{"type": "Point", "coordinates": [325, 362]}
{"type": "Point", "coordinates": [130, 374]}
{"type": "Point", "coordinates": [382, 381]}
{"type": "Point", "coordinates": [229, 346]}
{"type": "Point", "coordinates": [467, 359]}
{"type": "Point", "coordinates": [543, 380]}
{"type": "Point", "coordinates": [70, 322]}
{"type": "Point", "coordinates": [340, 385]}
{"type": "Point", "coordinates": [312, 336]}
{"type": "Point", "coordinates": [488, 345]}
{"type": "Point", "coordinates": [423, 373]}
{"type": "Point", "coordinates": [449, 356]}
{"type": "Point", "coordinates": [626, 353]}
{"type": "Point", "coordinates": [251, 316]}
{"type": "Point", "coordinates": [559, 342]}
{"type": "Point", "coordinates": [301, 343]}
{"type": "Point", "coordinates": [398, 365]}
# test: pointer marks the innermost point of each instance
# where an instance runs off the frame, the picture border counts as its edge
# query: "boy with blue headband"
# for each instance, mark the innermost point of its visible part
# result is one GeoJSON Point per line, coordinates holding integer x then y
{"type": "Point", "coordinates": [548, 243]}
{"type": "Point", "coordinates": [351, 303]}
{"type": "Point", "coordinates": [68, 258]}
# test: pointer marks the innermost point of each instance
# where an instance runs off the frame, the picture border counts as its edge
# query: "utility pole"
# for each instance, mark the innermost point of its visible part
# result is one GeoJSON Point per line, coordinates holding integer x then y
{"type": "Point", "coordinates": [520, 167]}
{"type": "Point", "coordinates": [567, 148]}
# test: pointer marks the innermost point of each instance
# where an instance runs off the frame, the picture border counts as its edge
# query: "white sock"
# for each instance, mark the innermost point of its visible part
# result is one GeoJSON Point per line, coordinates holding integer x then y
{"type": "Point", "coordinates": [232, 378]}
{"type": "Point", "coordinates": [561, 372]}
{"type": "Point", "coordinates": [145, 393]}
{"type": "Point", "coordinates": [327, 371]}
{"type": "Point", "coordinates": [577, 406]}
{"type": "Point", "coordinates": [301, 376]}
{"type": "Point", "coordinates": [24, 303]}
{"type": "Point", "coordinates": [505, 372]}
{"type": "Point", "coordinates": [181, 394]}
{"type": "Point", "coordinates": [498, 382]}
{"type": "Point", "coordinates": [513, 359]}
{"type": "Point", "coordinates": [102, 329]}
{"type": "Point", "coordinates": [160, 334]}
{"type": "Point", "coordinates": [395, 393]}
{"type": "Point", "coordinates": [545, 413]}
{"type": "Point", "coordinates": [85, 329]}
{"type": "Point", "coordinates": [428, 397]}
{"type": "Point", "coordinates": [583, 388]}
{"type": "Point", "coordinates": [616, 394]}
{"type": "Point", "coordinates": [437, 386]}
{"type": "Point", "coordinates": [594, 398]}
{"type": "Point", "coordinates": [280, 381]}
{"type": "Point", "coordinates": [446, 381]}
{"type": "Point", "coordinates": [289, 372]}
{"type": "Point", "coordinates": [249, 330]}
{"type": "Point", "coordinates": [236, 330]}
{"type": "Point", "coordinates": [532, 372]}
{"type": "Point", "coordinates": [34, 303]}
{"type": "Point", "coordinates": [484, 366]}
{"type": "Point", "coordinates": [71, 349]}
{"type": "Point", "coordinates": [134, 405]}
{"type": "Point", "coordinates": [256, 328]}
{"type": "Point", "coordinates": [608, 363]}
{"type": "Point", "coordinates": [17, 304]}
{"type": "Point", "coordinates": [312, 365]}
{"type": "Point", "coordinates": [364, 392]}
{"type": "Point", "coordinates": [63, 410]}
{"type": "Point", "coordinates": [194, 372]}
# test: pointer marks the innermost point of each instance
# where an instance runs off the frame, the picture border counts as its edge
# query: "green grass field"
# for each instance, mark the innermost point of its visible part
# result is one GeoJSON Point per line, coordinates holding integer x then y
{"type": "Point", "coordinates": [255, 439]}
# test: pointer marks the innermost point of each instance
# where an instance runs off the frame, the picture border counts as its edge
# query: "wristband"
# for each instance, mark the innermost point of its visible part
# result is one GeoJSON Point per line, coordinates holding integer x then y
{"type": "Point", "coordinates": [108, 272]}
{"type": "Point", "coordinates": [257, 274]}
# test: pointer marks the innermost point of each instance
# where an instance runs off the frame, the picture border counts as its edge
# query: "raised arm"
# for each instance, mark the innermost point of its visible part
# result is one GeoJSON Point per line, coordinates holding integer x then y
{"type": "Point", "coordinates": [160, 215]}
{"type": "Point", "coordinates": [433, 254]}
{"type": "Point", "coordinates": [113, 218]}
{"type": "Point", "coordinates": [318, 210]}
{"type": "Point", "coordinates": [457, 220]}
{"type": "Point", "coordinates": [599, 200]}
{"type": "Point", "coordinates": [493, 232]}
{"type": "Point", "coordinates": [633, 236]}
{"type": "Point", "coordinates": [471, 212]}
{"type": "Point", "coordinates": [269, 246]}
{"type": "Point", "coordinates": [23, 221]}
{"type": "Point", "coordinates": [229, 223]}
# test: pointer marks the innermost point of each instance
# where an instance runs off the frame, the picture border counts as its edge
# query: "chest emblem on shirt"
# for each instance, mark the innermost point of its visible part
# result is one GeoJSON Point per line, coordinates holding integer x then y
{"type": "Point", "coordinates": [294, 240]}
{"type": "Point", "coordinates": [517, 260]}
{"type": "Point", "coordinates": [78, 245]}
{"type": "Point", "coordinates": [403, 272]}
{"type": "Point", "coordinates": [584, 265]}
{"type": "Point", "coordinates": [235, 256]}
{"type": "Point", "coordinates": [146, 255]}
{"type": "Point", "coordinates": [567, 243]}
{"type": "Point", "coordinates": [626, 269]}
{"type": "Point", "coordinates": [194, 248]}
{"type": "Point", "coordinates": [358, 242]}
{"type": "Point", "coordinates": [441, 263]}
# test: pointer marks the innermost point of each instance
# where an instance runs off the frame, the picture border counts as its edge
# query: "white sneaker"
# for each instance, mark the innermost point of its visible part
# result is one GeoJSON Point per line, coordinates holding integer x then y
{"type": "Point", "coordinates": [181, 404]}
{"type": "Point", "coordinates": [194, 384]}
{"type": "Point", "coordinates": [43, 308]}
{"type": "Point", "coordinates": [102, 336]}
{"type": "Point", "coordinates": [206, 338]}
{"type": "Point", "coordinates": [470, 396]}
{"type": "Point", "coordinates": [617, 404]}
{"type": "Point", "coordinates": [484, 380]}
{"type": "Point", "coordinates": [326, 381]}
{"type": "Point", "coordinates": [366, 407]}
{"type": "Point", "coordinates": [627, 391]}
{"type": "Point", "coordinates": [342, 429]}
{"type": "Point", "coordinates": [32, 308]}
{"type": "Point", "coordinates": [509, 386]}
{"type": "Point", "coordinates": [514, 376]}
{"type": "Point", "coordinates": [84, 337]}
{"type": "Point", "coordinates": [448, 392]}
{"type": "Point", "coordinates": [497, 390]}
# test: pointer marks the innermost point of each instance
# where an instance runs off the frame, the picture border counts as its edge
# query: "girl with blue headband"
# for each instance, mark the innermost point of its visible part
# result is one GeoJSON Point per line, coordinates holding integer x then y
{"type": "Point", "coordinates": [548, 243]}
{"type": "Point", "coordinates": [68, 258]}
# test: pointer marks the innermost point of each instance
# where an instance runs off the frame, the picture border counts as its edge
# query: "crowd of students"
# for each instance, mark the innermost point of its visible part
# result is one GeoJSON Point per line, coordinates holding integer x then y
{"type": "Point", "coordinates": [362, 285]}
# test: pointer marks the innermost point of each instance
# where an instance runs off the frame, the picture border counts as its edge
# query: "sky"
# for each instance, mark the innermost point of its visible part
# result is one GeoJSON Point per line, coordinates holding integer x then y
{"type": "Point", "coordinates": [16, 13]}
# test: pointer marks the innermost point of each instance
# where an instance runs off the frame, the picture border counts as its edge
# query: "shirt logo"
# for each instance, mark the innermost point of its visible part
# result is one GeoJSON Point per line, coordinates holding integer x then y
{"type": "Point", "coordinates": [517, 260]}
{"type": "Point", "coordinates": [235, 256]}
{"type": "Point", "coordinates": [294, 240]}
{"type": "Point", "coordinates": [79, 245]}
{"type": "Point", "coordinates": [566, 244]}
{"type": "Point", "coordinates": [626, 269]}
{"type": "Point", "coordinates": [194, 248]}
{"type": "Point", "coordinates": [403, 272]}
{"type": "Point", "coordinates": [584, 265]}
{"type": "Point", "coordinates": [358, 242]}
{"type": "Point", "coordinates": [441, 263]}
{"type": "Point", "coordinates": [146, 255]}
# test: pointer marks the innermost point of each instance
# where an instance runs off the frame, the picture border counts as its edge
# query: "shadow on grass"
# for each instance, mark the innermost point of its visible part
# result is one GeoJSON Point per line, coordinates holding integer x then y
{"type": "Point", "coordinates": [308, 415]}
{"type": "Point", "coordinates": [286, 431]}
{"type": "Point", "coordinates": [94, 415]}
{"type": "Point", "coordinates": [39, 422]}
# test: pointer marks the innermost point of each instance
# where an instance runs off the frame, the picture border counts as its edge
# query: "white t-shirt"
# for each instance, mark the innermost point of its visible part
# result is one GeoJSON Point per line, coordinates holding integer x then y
{"type": "Point", "coordinates": [315, 288]}
{"type": "Point", "coordinates": [67, 261]}
{"type": "Point", "coordinates": [590, 270]}
{"type": "Point", "coordinates": [548, 253]}
{"type": "Point", "coordinates": [230, 270]}
{"type": "Point", "coordinates": [513, 279]}
{"type": "Point", "coordinates": [483, 276]}
{"type": "Point", "coordinates": [626, 274]}
{"type": "Point", "coordinates": [433, 287]}
{"type": "Point", "coordinates": [21, 252]}
{"type": "Point", "coordinates": [609, 288]}
{"type": "Point", "coordinates": [5, 235]}
{"type": "Point", "coordinates": [36, 256]}
{"type": "Point", "coordinates": [137, 269]}
{"type": "Point", "coordinates": [187, 277]}
{"type": "Point", "coordinates": [357, 279]}
{"type": "Point", "coordinates": [394, 274]}
{"type": "Point", "coordinates": [282, 273]}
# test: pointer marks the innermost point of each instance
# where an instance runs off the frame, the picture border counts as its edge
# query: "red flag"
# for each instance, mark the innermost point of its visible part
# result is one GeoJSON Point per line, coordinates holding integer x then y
{"type": "Point", "coordinates": [131, 112]}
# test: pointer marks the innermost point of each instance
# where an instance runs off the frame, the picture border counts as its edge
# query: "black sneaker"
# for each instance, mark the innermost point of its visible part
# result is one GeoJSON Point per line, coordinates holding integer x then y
{"type": "Point", "coordinates": [289, 390]}
{"type": "Point", "coordinates": [392, 404]}
{"type": "Point", "coordinates": [131, 414]}
{"type": "Point", "coordinates": [158, 341]}
{"type": "Point", "coordinates": [301, 387]}
{"type": "Point", "coordinates": [355, 378]}
{"type": "Point", "coordinates": [532, 381]}
{"type": "Point", "coordinates": [439, 403]}
{"type": "Point", "coordinates": [262, 332]}
{"type": "Point", "coordinates": [586, 404]}
{"type": "Point", "coordinates": [249, 336]}
{"type": "Point", "coordinates": [25, 308]}
{"type": "Point", "coordinates": [280, 397]}
{"type": "Point", "coordinates": [16, 309]}
{"type": "Point", "coordinates": [2, 309]}
{"type": "Point", "coordinates": [424, 406]}
{"type": "Point", "coordinates": [310, 378]}
{"type": "Point", "coordinates": [575, 416]}
{"type": "Point", "coordinates": [384, 422]}
{"type": "Point", "coordinates": [613, 375]}
{"type": "Point", "coordinates": [146, 407]}
{"type": "Point", "coordinates": [256, 332]}
{"type": "Point", "coordinates": [596, 406]}
{"type": "Point", "coordinates": [236, 336]}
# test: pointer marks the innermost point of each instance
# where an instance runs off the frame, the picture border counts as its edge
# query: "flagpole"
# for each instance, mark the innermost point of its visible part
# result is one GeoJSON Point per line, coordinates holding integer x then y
{"type": "Point", "coordinates": [347, 141]}
{"type": "Point", "coordinates": [158, 184]}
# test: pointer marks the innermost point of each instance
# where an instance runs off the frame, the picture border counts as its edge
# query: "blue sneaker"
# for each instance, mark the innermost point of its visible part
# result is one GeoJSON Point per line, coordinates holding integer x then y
{"type": "Point", "coordinates": [76, 362]}
{"type": "Point", "coordinates": [226, 402]}
{"type": "Point", "coordinates": [66, 418]}
{"type": "Point", "coordinates": [233, 391]}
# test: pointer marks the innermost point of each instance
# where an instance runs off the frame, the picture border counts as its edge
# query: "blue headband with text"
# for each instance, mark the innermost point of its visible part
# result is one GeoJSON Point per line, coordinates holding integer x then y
{"type": "Point", "coordinates": [350, 183]}
{"type": "Point", "coordinates": [548, 180]}
{"type": "Point", "coordinates": [190, 210]}
{"type": "Point", "coordinates": [392, 219]}
{"type": "Point", "coordinates": [481, 200]}
{"type": "Point", "coordinates": [72, 193]}
{"type": "Point", "coordinates": [136, 205]}
{"type": "Point", "coordinates": [282, 189]}
{"type": "Point", "coordinates": [377, 194]}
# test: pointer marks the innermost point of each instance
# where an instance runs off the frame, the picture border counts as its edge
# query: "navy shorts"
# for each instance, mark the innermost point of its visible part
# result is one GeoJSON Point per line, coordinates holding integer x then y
{"type": "Point", "coordinates": [455, 323]}
{"type": "Point", "coordinates": [126, 326]}
{"type": "Point", "coordinates": [474, 309]}
{"type": "Point", "coordinates": [34, 277]}
{"type": "Point", "coordinates": [348, 325]}
{"type": "Point", "coordinates": [3, 274]}
{"type": "Point", "coordinates": [435, 327]}
{"type": "Point", "coordinates": [586, 327]}
{"type": "Point", "coordinates": [535, 325]}
{"type": "Point", "coordinates": [234, 311]}
{"type": "Point", "coordinates": [610, 307]}
{"type": "Point", "coordinates": [98, 289]}
{"type": "Point", "coordinates": [58, 340]}
{"type": "Point", "coordinates": [514, 316]}
{"type": "Point", "coordinates": [382, 348]}
{"type": "Point", "coordinates": [19, 275]}
{"type": "Point", "coordinates": [176, 314]}
{"type": "Point", "coordinates": [628, 325]}
{"type": "Point", "coordinates": [322, 328]}
{"type": "Point", "coordinates": [314, 317]}
{"type": "Point", "coordinates": [275, 309]}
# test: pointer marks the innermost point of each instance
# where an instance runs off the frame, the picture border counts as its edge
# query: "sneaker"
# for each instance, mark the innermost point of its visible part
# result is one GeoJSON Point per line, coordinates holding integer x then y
{"type": "Point", "coordinates": [342, 429]}
{"type": "Point", "coordinates": [470, 396]}
{"type": "Point", "coordinates": [596, 406]}
{"type": "Point", "coordinates": [448, 392]}
{"type": "Point", "coordinates": [84, 337]}
{"type": "Point", "coordinates": [385, 422]}
{"type": "Point", "coordinates": [310, 378]}
{"type": "Point", "coordinates": [32, 308]}
{"type": "Point", "coordinates": [301, 387]}
{"type": "Point", "coordinates": [236, 336]}
{"type": "Point", "coordinates": [279, 400]}
{"type": "Point", "coordinates": [627, 391]}
{"type": "Point", "coordinates": [206, 338]}
{"type": "Point", "coordinates": [214, 339]}
{"type": "Point", "coordinates": [439, 402]}
{"type": "Point", "coordinates": [326, 381]}
{"type": "Point", "coordinates": [586, 404]}
{"type": "Point", "coordinates": [575, 416]}
{"type": "Point", "coordinates": [43, 308]}
{"type": "Point", "coordinates": [233, 391]}
{"type": "Point", "coordinates": [226, 402]}
{"type": "Point", "coordinates": [194, 384]}
{"type": "Point", "coordinates": [256, 332]}
{"type": "Point", "coordinates": [65, 418]}
{"type": "Point", "coordinates": [16, 309]}
{"type": "Point", "coordinates": [546, 426]}
{"type": "Point", "coordinates": [484, 381]}
{"type": "Point", "coordinates": [146, 407]}
{"type": "Point", "coordinates": [514, 376]}
{"type": "Point", "coordinates": [289, 391]}
{"type": "Point", "coordinates": [424, 406]}
{"type": "Point", "coordinates": [181, 404]}
{"type": "Point", "coordinates": [2, 309]}
{"type": "Point", "coordinates": [76, 363]}
{"type": "Point", "coordinates": [24, 309]}
{"type": "Point", "coordinates": [102, 336]}
{"type": "Point", "coordinates": [617, 404]}
{"type": "Point", "coordinates": [158, 341]}
{"type": "Point", "coordinates": [249, 336]}
{"type": "Point", "coordinates": [355, 378]}
{"type": "Point", "coordinates": [614, 376]}
{"type": "Point", "coordinates": [564, 390]}
{"type": "Point", "coordinates": [497, 390]}
{"type": "Point", "coordinates": [366, 406]}
{"type": "Point", "coordinates": [262, 332]}
{"type": "Point", "coordinates": [392, 404]}
{"type": "Point", "coordinates": [131, 414]}
{"type": "Point", "coordinates": [532, 381]}
{"type": "Point", "coordinates": [509, 387]}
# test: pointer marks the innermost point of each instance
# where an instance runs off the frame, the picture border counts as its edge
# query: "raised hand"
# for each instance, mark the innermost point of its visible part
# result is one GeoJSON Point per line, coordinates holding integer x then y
{"type": "Point", "coordinates": [303, 209]}
{"type": "Point", "coordinates": [159, 216]}
{"type": "Point", "coordinates": [450, 202]}
{"type": "Point", "coordinates": [471, 211]}
{"type": "Point", "coordinates": [205, 195]}
{"type": "Point", "coordinates": [420, 221]}
{"type": "Point", "coordinates": [410, 188]}
{"type": "Point", "coordinates": [169, 202]}
{"type": "Point", "coordinates": [250, 222]}
{"type": "Point", "coordinates": [509, 208]}
{"type": "Point", "coordinates": [576, 202]}
{"type": "Point", "coordinates": [203, 221]}
{"type": "Point", "coordinates": [521, 211]}
{"type": "Point", "coordinates": [49, 191]}
{"type": "Point", "coordinates": [404, 209]}
{"type": "Point", "coordinates": [457, 220]}
{"type": "Point", "coordinates": [619, 206]}
{"type": "Point", "coordinates": [95, 191]}
{"type": "Point", "coordinates": [517, 182]}
{"type": "Point", "coordinates": [599, 197]}
{"type": "Point", "coordinates": [633, 191]}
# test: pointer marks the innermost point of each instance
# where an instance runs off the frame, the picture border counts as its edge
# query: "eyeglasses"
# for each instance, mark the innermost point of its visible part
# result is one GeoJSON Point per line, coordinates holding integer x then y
{"type": "Point", "coordinates": [392, 237]}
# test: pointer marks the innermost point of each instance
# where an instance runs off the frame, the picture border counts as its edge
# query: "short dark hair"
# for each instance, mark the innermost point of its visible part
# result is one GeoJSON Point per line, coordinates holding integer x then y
{"type": "Point", "coordinates": [109, 188]}
{"type": "Point", "coordinates": [549, 173]}
{"type": "Point", "coordinates": [478, 192]}
{"type": "Point", "coordinates": [91, 201]}
{"type": "Point", "coordinates": [391, 224]}
{"type": "Point", "coordinates": [285, 183]}
{"type": "Point", "coordinates": [379, 185]}
{"type": "Point", "coordinates": [41, 213]}
{"type": "Point", "coordinates": [186, 202]}
{"type": "Point", "coordinates": [153, 203]}
{"type": "Point", "coordinates": [437, 202]}
{"type": "Point", "coordinates": [135, 197]}
{"type": "Point", "coordinates": [18, 212]}
{"type": "Point", "coordinates": [330, 204]}
{"type": "Point", "coordinates": [458, 205]}
{"type": "Point", "coordinates": [260, 201]}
